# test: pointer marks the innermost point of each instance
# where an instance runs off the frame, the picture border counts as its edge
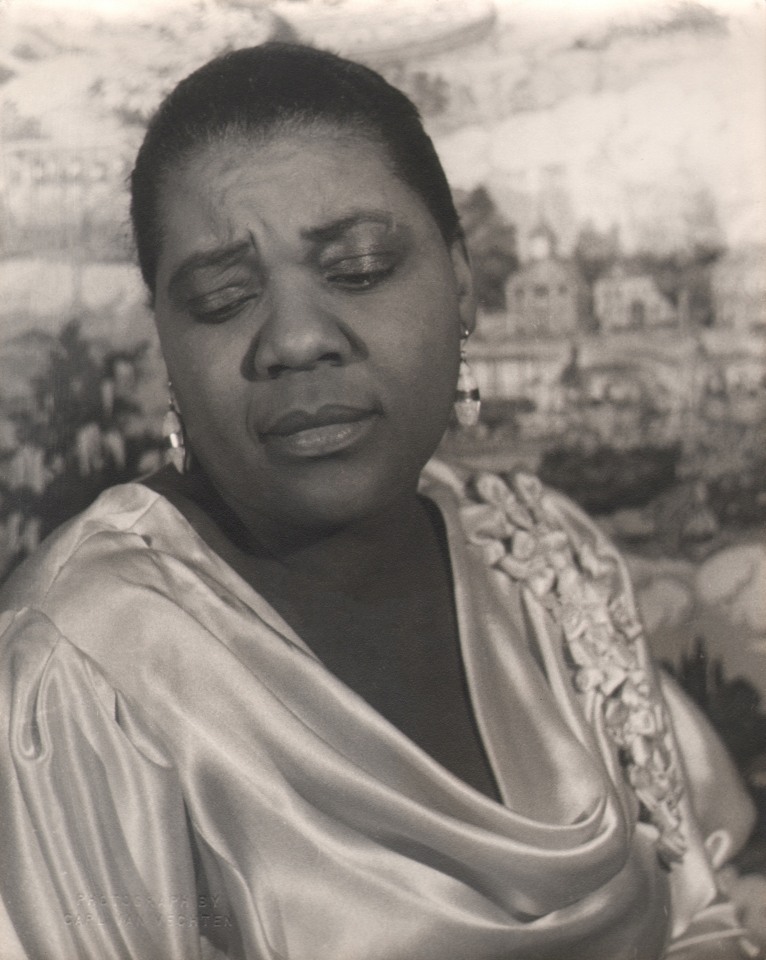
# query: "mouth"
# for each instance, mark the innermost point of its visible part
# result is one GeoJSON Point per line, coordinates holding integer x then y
{"type": "Point", "coordinates": [330, 429]}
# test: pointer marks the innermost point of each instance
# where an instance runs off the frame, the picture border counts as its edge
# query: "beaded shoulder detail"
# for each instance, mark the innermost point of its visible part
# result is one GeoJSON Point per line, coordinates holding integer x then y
{"type": "Point", "coordinates": [523, 533]}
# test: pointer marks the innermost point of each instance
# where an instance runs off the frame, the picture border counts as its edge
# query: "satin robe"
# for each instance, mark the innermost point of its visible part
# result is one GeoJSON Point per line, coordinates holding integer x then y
{"type": "Point", "coordinates": [182, 778]}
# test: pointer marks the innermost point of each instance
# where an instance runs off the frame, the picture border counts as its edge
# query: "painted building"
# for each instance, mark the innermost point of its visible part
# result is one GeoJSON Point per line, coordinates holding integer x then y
{"type": "Point", "coordinates": [620, 403]}
{"type": "Point", "coordinates": [739, 288]}
{"type": "Point", "coordinates": [55, 199]}
{"type": "Point", "coordinates": [547, 297]}
{"type": "Point", "coordinates": [623, 300]}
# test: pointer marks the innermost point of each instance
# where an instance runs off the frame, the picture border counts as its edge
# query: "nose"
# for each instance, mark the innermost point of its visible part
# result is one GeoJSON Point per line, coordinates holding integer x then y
{"type": "Point", "coordinates": [298, 333]}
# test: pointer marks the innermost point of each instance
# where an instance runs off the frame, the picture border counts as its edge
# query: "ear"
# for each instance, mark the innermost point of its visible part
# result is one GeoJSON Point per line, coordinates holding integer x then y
{"type": "Point", "coordinates": [461, 265]}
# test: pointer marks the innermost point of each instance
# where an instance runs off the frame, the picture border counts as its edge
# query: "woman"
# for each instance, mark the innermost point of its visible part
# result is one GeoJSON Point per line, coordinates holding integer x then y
{"type": "Point", "coordinates": [302, 699]}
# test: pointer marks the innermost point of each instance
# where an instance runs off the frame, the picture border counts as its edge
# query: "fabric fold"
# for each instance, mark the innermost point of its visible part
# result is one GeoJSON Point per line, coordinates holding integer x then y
{"type": "Point", "coordinates": [175, 743]}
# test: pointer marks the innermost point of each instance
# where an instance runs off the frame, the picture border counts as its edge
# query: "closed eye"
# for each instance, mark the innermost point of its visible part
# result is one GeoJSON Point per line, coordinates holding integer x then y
{"type": "Point", "coordinates": [360, 273]}
{"type": "Point", "coordinates": [218, 312]}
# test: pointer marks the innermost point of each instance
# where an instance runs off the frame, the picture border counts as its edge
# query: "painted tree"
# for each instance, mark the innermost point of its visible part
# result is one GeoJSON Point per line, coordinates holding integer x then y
{"type": "Point", "coordinates": [491, 241]}
{"type": "Point", "coordinates": [79, 431]}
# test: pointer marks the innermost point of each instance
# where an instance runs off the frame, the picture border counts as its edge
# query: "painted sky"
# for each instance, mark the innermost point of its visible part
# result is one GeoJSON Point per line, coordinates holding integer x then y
{"type": "Point", "coordinates": [630, 113]}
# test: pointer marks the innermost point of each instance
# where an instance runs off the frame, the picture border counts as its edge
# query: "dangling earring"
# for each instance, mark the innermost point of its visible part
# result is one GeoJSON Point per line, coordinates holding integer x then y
{"type": "Point", "coordinates": [467, 398]}
{"type": "Point", "coordinates": [174, 435]}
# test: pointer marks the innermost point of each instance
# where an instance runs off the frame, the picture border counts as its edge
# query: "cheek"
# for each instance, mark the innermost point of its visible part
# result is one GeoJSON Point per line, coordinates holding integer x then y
{"type": "Point", "coordinates": [217, 407]}
{"type": "Point", "coordinates": [423, 359]}
{"type": "Point", "coordinates": [433, 327]}
{"type": "Point", "coordinates": [216, 425]}
{"type": "Point", "coordinates": [204, 369]}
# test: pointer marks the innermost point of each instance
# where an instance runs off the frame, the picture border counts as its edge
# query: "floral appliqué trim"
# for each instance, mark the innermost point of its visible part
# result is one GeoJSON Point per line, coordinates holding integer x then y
{"type": "Point", "coordinates": [522, 534]}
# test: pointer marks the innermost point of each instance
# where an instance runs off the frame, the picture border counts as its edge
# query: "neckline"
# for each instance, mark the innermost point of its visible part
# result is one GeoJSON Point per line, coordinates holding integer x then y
{"type": "Point", "coordinates": [442, 498]}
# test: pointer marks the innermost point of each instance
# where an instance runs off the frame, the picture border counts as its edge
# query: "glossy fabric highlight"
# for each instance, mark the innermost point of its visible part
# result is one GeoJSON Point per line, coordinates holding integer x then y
{"type": "Point", "coordinates": [185, 779]}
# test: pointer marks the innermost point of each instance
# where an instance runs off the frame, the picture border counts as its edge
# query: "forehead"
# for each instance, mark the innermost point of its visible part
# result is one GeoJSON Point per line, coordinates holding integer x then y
{"type": "Point", "coordinates": [283, 197]}
{"type": "Point", "coordinates": [294, 177]}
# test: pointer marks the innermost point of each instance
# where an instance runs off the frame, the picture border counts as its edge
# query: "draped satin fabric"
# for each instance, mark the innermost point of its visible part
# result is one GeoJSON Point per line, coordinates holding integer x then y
{"type": "Point", "coordinates": [182, 778]}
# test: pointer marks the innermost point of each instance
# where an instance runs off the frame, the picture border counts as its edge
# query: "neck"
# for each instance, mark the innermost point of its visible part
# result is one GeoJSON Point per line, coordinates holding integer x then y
{"type": "Point", "coordinates": [374, 556]}
{"type": "Point", "coordinates": [371, 557]}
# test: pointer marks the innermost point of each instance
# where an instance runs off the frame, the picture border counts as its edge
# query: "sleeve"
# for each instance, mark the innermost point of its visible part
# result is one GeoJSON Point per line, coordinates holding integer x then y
{"type": "Point", "coordinates": [708, 923]}
{"type": "Point", "coordinates": [724, 811]}
{"type": "Point", "coordinates": [94, 844]}
{"type": "Point", "coordinates": [725, 815]}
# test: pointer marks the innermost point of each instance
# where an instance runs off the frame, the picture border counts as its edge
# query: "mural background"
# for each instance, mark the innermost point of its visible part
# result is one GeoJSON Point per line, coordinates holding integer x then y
{"type": "Point", "coordinates": [609, 164]}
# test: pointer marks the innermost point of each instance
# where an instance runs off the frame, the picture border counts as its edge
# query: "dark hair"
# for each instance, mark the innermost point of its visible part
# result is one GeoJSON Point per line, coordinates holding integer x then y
{"type": "Point", "coordinates": [275, 88]}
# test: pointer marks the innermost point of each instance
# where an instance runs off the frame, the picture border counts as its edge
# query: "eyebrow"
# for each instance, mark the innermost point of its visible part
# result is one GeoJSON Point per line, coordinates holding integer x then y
{"type": "Point", "coordinates": [220, 256]}
{"type": "Point", "coordinates": [233, 252]}
{"type": "Point", "coordinates": [336, 229]}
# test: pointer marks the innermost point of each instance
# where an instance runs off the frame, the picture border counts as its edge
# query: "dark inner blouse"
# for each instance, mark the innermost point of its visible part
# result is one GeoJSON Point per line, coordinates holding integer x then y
{"type": "Point", "coordinates": [400, 652]}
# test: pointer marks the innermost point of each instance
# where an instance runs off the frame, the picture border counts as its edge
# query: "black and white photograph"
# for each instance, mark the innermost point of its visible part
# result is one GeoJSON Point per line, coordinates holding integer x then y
{"type": "Point", "coordinates": [382, 480]}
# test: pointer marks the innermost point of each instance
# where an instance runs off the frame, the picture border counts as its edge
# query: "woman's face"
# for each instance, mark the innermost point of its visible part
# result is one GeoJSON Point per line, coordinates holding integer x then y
{"type": "Point", "coordinates": [310, 316]}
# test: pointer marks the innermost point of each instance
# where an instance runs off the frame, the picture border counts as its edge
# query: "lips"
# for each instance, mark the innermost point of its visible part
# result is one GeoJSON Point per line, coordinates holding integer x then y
{"type": "Point", "coordinates": [331, 429]}
{"type": "Point", "coordinates": [298, 420]}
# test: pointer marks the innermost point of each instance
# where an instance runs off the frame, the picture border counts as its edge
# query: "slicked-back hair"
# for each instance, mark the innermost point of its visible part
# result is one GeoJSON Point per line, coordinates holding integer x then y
{"type": "Point", "coordinates": [273, 89]}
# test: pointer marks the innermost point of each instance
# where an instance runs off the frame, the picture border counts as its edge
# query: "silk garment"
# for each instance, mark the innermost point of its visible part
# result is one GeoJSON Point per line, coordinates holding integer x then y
{"type": "Point", "coordinates": [183, 778]}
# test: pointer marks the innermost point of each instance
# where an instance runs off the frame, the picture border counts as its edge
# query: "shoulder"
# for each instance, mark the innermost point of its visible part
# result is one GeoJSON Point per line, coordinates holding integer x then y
{"type": "Point", "coordinates": [539, 539]}
{"type": "Point", "coordinates": [522, 524]}
{"type": "Point", "coordinates": [123, 535]}
{"type": "Point", "coordinates": [99, 576]}
{"type": "Point", "coordinates": [118, 518]}
{"type": "Point", "coordinates": [134, 591]}
{"type": "Point", "coordinates": [82, 621]}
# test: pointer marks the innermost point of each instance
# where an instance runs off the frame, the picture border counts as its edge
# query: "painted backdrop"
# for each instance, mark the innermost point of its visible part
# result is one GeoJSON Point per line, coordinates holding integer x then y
{"type": "Point", "coordinates": [609, 165]}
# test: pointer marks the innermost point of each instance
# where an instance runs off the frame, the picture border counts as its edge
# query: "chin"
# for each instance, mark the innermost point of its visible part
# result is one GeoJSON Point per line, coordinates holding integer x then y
{"type": "Point", "coordinates": [338, 495]}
